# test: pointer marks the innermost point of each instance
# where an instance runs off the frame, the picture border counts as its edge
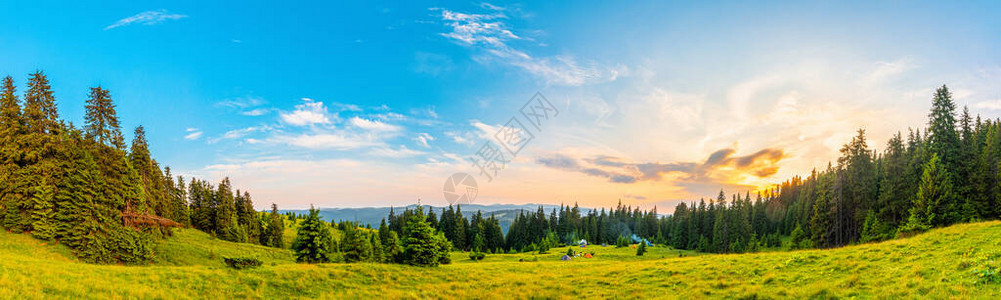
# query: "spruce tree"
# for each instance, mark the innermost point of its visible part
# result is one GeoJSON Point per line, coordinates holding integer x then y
{"type": "Point", "coordinates": [102, 120]}
{"type": "Point", "coordinates": [944, 142]}
{"type": "Point", "coordinates": [274, 235]}
{"type": "Point", "coordinates": [392, 250]}
{"type": "Point", "coordinates": [356, 245]}
{"type": "Point", "coordinates": [422, 246]}
{"type": "Point", "coordinates": [40, 111]}
{"type": "Point", "coordinates": [313, 242]}
{"type": "Point", "coordinates": [933, 195]}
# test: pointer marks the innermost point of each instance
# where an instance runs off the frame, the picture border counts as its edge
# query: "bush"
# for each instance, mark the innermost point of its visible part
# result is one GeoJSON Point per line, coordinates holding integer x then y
{"type": "Point", "coordinates": [621, 242]}
{"type": "Point", "coordinates": [641, 249]}
{"type": "Point", "coordinates": [543, 247]}
{"type": "Point", "coordinates": [240, 263]}
{"type": "Point", "coordinates": [798, 239]}
{"type": "Point", "coordinates": [477, 256]}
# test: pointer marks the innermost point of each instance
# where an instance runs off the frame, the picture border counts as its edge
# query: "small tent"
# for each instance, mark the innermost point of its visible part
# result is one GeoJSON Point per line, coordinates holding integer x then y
{"type": "Point", "coordinates": [588, 255]}
{"type": "Point", "coordinates": [582, 242]}
{"type": "Point", "coordinates": [565, 257]}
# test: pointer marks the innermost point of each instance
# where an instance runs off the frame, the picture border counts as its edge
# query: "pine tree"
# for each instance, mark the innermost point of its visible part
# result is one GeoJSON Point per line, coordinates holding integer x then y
{"type": "Point", "coordinates": [274, 235]}
{"type": "Point", "coordinates": [102, 120]}
{"type": "Point", "coordinates": [392, 250]}
{"type": "Point", "coordinates": [944, 142]}
{"type": "Point", "coordinates": [40, 111]}
{"type": "Point", "coordinates": [641, 249]}
{"type": "Point", "coordinates": [377, 249]}
{"type": "Point", "coordinates": [10, 155]}
{"type": "Point", "coordinates": [313, 242]}
{"type": "Point", "coordinates": [933, 195]}
{"type": "Point", "coordinates": [423, 247]}
{"type": "Point", "coordinates": [43, 223]}
{"type": "Point", "coordinates": [225, 214]}
{"type": "Point", "coordinates": [356, 245]}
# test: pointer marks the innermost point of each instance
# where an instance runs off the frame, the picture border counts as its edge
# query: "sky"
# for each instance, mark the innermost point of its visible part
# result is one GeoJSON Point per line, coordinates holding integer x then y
{"type": "Point", "coordinates": [377, 104]}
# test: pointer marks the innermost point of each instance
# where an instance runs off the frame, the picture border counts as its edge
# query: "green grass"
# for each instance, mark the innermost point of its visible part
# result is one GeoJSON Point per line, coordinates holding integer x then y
{"type": "Point", "coordinates": [953, 262]}
{"type": "Point", "coordinates": [190, 247]}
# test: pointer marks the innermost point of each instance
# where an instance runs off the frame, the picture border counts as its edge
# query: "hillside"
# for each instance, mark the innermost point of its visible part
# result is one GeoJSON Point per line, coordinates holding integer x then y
{"type": "Point", "coordinates": [956, 261]}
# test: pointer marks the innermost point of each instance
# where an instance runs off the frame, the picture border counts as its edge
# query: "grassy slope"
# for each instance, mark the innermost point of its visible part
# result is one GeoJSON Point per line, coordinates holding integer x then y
{"type": "Point", "coordinates": [939, 264]}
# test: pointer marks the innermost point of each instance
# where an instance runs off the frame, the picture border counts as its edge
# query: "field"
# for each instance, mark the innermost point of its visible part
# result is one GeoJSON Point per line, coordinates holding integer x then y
{"type": "Point", "coordinates": [961, 261]}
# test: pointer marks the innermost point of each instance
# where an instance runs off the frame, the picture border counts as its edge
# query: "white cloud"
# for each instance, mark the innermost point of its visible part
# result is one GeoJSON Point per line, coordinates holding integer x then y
{"type": "Point", "coordinates": [488, 32]}
{"type": "Point", "coordinates": [885, 70]}
{"type": "Point", "coordinates": [193, 134]}
{"type": "Point", "coordinates": [241, 102]}
{"type": "Point", "coordinates": [308, 113]}
{"type": "Point", "coordinates": [328, 141]}
{"type": "Point", "coordinates": [401, 152]}
{"type": "Point", "coordinates": [390, 116]}
{"type": "Point", "coordinates": [256, 112]}
{"type": "Point", "coordinates": [151, 17]}
{"type": "Point", "coordinates": [461, 138]}
{"type": "Point", "coordinates": [238, 133]}
{"type": "Point", "coordinates": [375, 126]}
{"type": "Point", "coordinates": [992, 104]}
{"type": "Point", "coordinates": [423, 139]}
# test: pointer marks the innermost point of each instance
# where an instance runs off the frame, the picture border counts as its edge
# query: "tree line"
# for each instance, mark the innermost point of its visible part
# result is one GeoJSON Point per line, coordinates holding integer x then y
{"type": "Point", "coordinates": [84, 188]}
{"type": "Point", "coordinates": [945, 174]}
{"type": "Point", "coordinates": [948, 173]}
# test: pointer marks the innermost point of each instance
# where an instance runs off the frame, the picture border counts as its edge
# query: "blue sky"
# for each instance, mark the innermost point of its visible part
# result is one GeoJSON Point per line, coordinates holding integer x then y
{"type": "Point", "coordinates": [361, 104]}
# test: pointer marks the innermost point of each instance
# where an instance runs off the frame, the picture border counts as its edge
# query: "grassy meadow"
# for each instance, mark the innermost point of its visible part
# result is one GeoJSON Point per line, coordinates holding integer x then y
{"type": "Point", "coordinates": [960, 261]}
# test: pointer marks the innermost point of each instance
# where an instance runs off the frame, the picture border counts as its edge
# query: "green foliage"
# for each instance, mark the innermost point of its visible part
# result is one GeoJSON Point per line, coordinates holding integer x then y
{"type": "Point", "coordinates": [543, 246]}
{"type": "Point", "coordinates": [641, 249]}
{"type": "Point", "coordinates": [422, 245]}
{"type": "Point", "coordinates": [874, 230]}
{"type": "Point", "coordinates": [797, 238]}
{"type": "Point", "coordinates": [391, 248]}
{"type": "Point", "coordinates": [933, 192]}
{"type": "Point", "coordinates": [241, 263]}
{"type": "Point", "coordinates": [313, 242]}
{"type": "Point", "coordinates": [621, 242]}
{"type": "Point", "coordinates": [356, 245]}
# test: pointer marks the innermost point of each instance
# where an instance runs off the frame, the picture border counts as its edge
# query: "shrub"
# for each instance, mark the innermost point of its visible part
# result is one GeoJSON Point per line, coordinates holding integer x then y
{"type": "Point", "coordinates": [621, 242]}
{"type": "Point", "coordinates": [240, 263]}
{"type": "Point", "coordinates": [477, 256]}
{"type": "Point", "coordinates": [543, 247]}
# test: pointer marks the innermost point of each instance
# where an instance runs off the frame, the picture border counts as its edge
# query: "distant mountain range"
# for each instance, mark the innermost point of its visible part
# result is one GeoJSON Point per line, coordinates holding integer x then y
{"type": "Point", "coordinates": [505, 213]}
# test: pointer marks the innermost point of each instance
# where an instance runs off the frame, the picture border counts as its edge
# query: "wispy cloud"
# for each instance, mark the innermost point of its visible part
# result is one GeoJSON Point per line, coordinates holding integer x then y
{"type": "Point", "coordinates": [151, 17]}
{"type": "Point", "coordinates": [308, 113]}
{"type": "Point", "coordinates": [991, 104]}
{"type": "Point", "coordinates": [721, 167]}
{"type": "Point", "coordinates": [493, 37]}
{"type": "Point", "coordinates": [400, 152]}
{"type": "Point", "coordinates": [193, 134]}
{"type": "Point", "coordinates": [248, 105]}
{"type": "Point", "coordinates": [339, 140]}
{"type": "Point", "coordinates": [423, 139]}
{"type": "Point", "coordinates": [238, 133]}
{"type": "Point", "coordinates": [374, 125]}
{"type": "Point", "coordinates": [256, 112]}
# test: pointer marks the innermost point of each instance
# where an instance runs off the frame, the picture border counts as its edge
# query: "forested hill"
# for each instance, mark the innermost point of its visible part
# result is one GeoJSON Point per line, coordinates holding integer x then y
{"type": "Point", "coordinates": [371, 216]}
{"type": "Point", "coordinates": [84, 188]}
{"type": "Point", "coordinates": [947, 173]}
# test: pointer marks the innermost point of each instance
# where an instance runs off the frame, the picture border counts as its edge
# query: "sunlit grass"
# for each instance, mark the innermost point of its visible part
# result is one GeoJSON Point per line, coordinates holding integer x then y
{"type": "Point", "coordinates": [944, 263]}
